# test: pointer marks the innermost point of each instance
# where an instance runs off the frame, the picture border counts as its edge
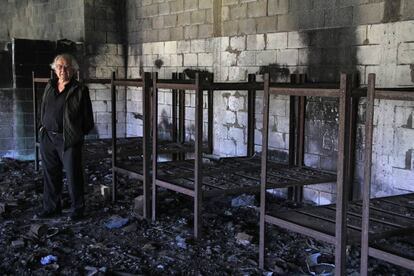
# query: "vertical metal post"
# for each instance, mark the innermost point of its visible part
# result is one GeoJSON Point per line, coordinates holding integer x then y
{"type": "Point", "coordinates": [210, 112]}
{"type": "Point", "coordinates": [154, 143]}
{"type": "Point", "coordinates": [174, 133]}
{"type": "Point", "coordinates": [146, 94]}
{"type": "Point", "coordinates": [342, 185]}
{"type": "Point", "coordinates": [36, 127]}
{"type": "Point", "coordinates": [263, 179]}
{"type": "Point", "coordinates": [251, 110]}
{"type": "Point", "coordinates": [366, 192]}
{"type": "Point", "coordinates": [198, 177]}
{"type": "Point", "coordinates": [114, 149]}
{"type": "Point", "coordinates": [181, 111]}
{"type": "Point", "coordinates": [353, 113]}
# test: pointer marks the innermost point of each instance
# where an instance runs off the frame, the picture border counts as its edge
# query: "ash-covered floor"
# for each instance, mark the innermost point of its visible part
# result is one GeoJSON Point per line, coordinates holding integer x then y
{"type": "Point", "coordinates": [139, 247]}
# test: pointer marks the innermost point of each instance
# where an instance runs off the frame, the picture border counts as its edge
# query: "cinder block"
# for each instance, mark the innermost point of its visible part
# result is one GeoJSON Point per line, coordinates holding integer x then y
{"type": "Point", "coordinates": [238, 11]}
{"type": "Point", "coordinates": [114, 60]}
{"type": "Point", "coordinates": [190, 59]}
{"type": "Point", "coordinates": [229, 2]}
{"type": "Point", "coordinates": [225, 13]}
{"type": "Point", "coordinates": [205, 4]}
{"type": "Point", "coordinates": [266, 24]}
{"type": "Point", "coordinates": [246, 58]}
{"type": "Point", "coordinates": [238, 135]}
{"type": "Point", "coordinates": [288, 57]}
{"type": "Point", "coordinates": [277, 40]}
{"type": "Point", "coordinates": [257, 8]}
{"type": "Point", "coordinates": [405, 53]}
{"type": "Point", "coordinates": [236, 103]}
{"type": "Point", "coordinates": [170, 47]}
{"type": "Point", "coordinates": [169, 21]}
{"type": "Point", "coordinates": [190, 32]}
{"type": "Point", "coordinates": [404, 75]}
{"type": "Point", "coordinates": [288, 22]}
{"type": "Point", "coordinates": [190, 4]}
{"type": "Point", "coordinates": [368, 14]}
{"type": "Point", "coordinates": [205, 59]}
{"type": "Point", "coordinates": [237, 73]}
{"type": "Point", "coordinates": [238, 43]}
{"type": "Point", "coordinates": [241, 117]}
{"type": "Point", "coordinates": [198, 45]}
{"type": "Point", "coordinates": [176, 6]}
{"type": "Point", "coordinates": [198, 17]}
{"type": "Point", "coordinates": [368, 55]}
{"type": "Point", "coordinates": [184, 19]}
{"type": "Point", "coordinates": [266, 57]}
{"type": "Point", "coordinates": [205, 30]}
{"type": "Point", "coordinates": [247, 26]}
{"type": "Point", "coordinates": [183, 46]}
{"type": "Point", "coordinates": [228, 117]}
{"type": "Point", "coordinates": [227, 147]}
{"type": "Point", "coordinates": [157, 22]}
{"type": "Point", "coordinates": [256, 42]}
{"type": "Point", "coordinates": [277, 140]}
{"type": "Point", "coordinates": [297, 40]}
{"type": "Point", "coordinates": [164, 8]}
{"type": "Point", "coordinates": [177, 33]}
{"type": "Point", "coordinates": [228, 59]}
{"type": "Point", "coordinates": [276, 7]}
{"type": "Point", "coordinates": [230, 28]}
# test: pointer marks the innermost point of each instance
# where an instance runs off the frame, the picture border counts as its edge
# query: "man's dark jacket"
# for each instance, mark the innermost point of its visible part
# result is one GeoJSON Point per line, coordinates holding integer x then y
{"type": "Point", "coordinates": [77, 116]}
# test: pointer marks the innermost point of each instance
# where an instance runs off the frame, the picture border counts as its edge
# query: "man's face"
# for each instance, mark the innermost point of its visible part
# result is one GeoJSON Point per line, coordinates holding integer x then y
{"type": "Point", "coordinates": [63, 69]}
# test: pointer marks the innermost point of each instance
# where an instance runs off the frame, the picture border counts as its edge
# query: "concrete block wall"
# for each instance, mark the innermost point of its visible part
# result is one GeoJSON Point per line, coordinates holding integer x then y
{"type": "Point", "coordinates": [49, 20]}
{"type": "Point", "coordinates": [292, 52]}
{"type": "Point", "coordinates": [104, 54]}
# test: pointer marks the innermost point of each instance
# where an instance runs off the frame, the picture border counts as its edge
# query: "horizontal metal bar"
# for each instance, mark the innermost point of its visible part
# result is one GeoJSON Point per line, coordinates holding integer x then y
{"type": "Point", "coordinates": [128, 172]}
{"type": "Point", "coordinates": [233, 86]}
{"type": "Point", "coordinates": [96, 81]}
{"type": "Point", "coordinates": [179, 86]}
{"type": "Point", "coordinates": [41, 80]}
{"type": "Point", "coordinates": [395, 95]}
{"type": "Point", "coordinates": [137, 83]}
{"type": "Point", "coordinates": [390, 257]}
{"type": "Point", "coordinates": [300, 229]}
{"type": "Point", "coordinates": [305, 91]}
{"type": "Point", "coordinates": [174, 187]}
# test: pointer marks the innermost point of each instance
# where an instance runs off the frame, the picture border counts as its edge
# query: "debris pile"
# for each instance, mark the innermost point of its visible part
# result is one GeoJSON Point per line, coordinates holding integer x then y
{"type": "Point", "coordinates": [113, 239]}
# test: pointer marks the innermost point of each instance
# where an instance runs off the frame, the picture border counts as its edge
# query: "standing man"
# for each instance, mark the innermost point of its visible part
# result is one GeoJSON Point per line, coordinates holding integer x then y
{"type": "Point", "coordinates": [66, 116]}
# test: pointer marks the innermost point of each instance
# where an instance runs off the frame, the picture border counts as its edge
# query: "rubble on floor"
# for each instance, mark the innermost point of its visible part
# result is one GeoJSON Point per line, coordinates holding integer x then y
{"type": "Point", "coordinates": [113, 240]}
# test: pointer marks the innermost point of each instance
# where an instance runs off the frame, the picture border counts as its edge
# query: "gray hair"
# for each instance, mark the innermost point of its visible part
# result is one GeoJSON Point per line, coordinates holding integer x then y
{"type": "Point", "coordinates": [69, 58]}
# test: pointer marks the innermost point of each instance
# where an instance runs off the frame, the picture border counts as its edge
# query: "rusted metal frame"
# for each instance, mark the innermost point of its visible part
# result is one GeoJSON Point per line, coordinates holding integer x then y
{"type": "Point", "coordinates": [303, 91]}
{"type": "Point", "coordinates": [265, 144]}
{"type": "Point", "coordinates": [114, 146]}
{"type": "Point", "coordinates": [176, 188]}
{"type": "Point", "coordinates": [292, 133]}
{"type": "Point", "coordinates": [174, 96]}
{"type": "Point", "coordinates": [302, 230]}
{"type": "Point", "coordinates": [251, 110]}
{"type": "Point", "coordinates": [146, 110]}
{"type": "Point", "coordinates": [394, 95]}
{"type": "Point", "coordinates": [181, 116]}
{"type": "Point", "coordinates": [352, 130]}
{"type": "Point", "coordinates": [185, 86]}
{"type": "Point", "coordinates": [96, 81]}
{"type": "Point", "coordinates": [154, 143]}
{"type": "Point", "coordinates": [129, 173]}
{"type": "Point", "coordinates": [366, 189]}
{"type": "Point", "coordinates": [137, 83]}
{"type": "Point", "coordinates": [198, 173]}
{"type": "Point", "coordinates": [210, 114]}
{"type": "Point", "coordinates": [35, 81]}
{"type": "Point", "coordinates": [300, 144]}
{"type": "Point", "coordinates": [392, 258]}
{"type": "Point", "coordinates": [217, 86]}
{"type": "Point", "coordinates": [366, 250]}
{"type": "Point", "coordinates": [342, 181]}
{"type": "Point", "coordinates": [36, 130]}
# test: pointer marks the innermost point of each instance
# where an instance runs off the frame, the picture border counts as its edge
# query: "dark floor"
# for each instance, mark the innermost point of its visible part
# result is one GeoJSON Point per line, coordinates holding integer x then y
{"type": "Point", "coordinates": [165, 247]}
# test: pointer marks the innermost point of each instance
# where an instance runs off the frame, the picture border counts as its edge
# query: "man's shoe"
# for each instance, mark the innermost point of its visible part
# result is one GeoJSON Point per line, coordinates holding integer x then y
{"type": "Point", "coordinates": [43, 214]}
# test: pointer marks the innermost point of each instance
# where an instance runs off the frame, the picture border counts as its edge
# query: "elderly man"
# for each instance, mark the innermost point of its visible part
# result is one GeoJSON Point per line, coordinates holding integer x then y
{"type": "Point", "coordinates": [66, 116]}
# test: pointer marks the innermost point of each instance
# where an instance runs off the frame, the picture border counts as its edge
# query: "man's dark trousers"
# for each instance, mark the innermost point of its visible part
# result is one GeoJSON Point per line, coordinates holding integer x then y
{"type": "Point", "coordinates": [54, 159]}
